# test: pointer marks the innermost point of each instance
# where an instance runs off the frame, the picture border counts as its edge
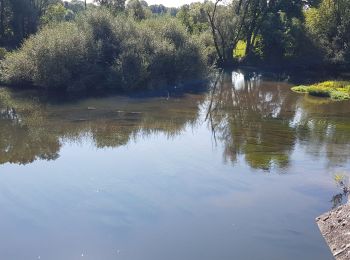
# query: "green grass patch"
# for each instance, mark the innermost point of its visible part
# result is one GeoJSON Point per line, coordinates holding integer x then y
{"type": "Point", "coordinates": [336, 90]}
{"type": "Point", "coordinates": [239, 51]}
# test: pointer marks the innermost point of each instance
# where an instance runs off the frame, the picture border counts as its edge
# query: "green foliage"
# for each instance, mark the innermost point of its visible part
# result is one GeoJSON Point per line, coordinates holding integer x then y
{"type": "Point", "coordinates": [159, 9]}
{"type": "Point", "coordinates": [300, 89]}
{"type": "Point", "coordinates": [138, 9]}
{"type": "Point", "coordinates": [336, 90]}
{"type": "Point", "coordinates": [283, 39]}
{"type": "Point", "coordinates": [3, 53]}
{"type": "Point", "coordinates": [99, 51]}
{"type": "Point", "coordinates": [205, 40]}
{"type": "Point", "coordinates": [76, 6]}
{"type": "Point", "coordinates": [54, 13]}
{"type": "Point", "coordinates": [329, 27]}
{"type": "Point", "coordinates": [194, 17]}
{"type": "Point", "coordinates": [297, 33]}
{"type": "Point", "coordinates": [239, 51]}
{"type": "Point", "coordinates": [114, 6]}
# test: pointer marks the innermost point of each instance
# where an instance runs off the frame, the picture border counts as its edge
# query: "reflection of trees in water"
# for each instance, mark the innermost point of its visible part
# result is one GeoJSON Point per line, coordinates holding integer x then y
{"type": "Point", "coordinates": [23, 140]}
{"type": "Point", "coordinates": [263, 120]}
{"type": "Point", "coordinates": [18, 144]}
{"type": "Point", "coordinates": [323, 128]}
{"type": "Point", "coordinates": [29, 131]}
{"type": "Point", "coordinates": [251, 118]}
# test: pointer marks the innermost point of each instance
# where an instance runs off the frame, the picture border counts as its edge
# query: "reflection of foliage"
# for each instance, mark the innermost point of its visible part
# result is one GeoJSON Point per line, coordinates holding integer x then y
{"type": "Point", "coordinates": [260, 120]}
{"type": "Point", "coordinates": [325, 127]}
{"type": "Point", "coordinates": [20, 142]}
{"type": "Point", "coordinates": [251, 118]}
{"type": "Point", "coordinates": [30, 130]}
{"type": "Point", "coordinates": [263, 120]}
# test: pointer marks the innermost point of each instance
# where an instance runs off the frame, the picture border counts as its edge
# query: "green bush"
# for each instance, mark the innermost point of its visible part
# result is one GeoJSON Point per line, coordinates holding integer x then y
{"type": "Point", "coordinates": [337, 90]}
{"type": "Point", "coordinates": [300, 89]}
{"type": "Point", "coordinates": [205, 39]}
{"type": "Point", "coordinates": [99, 51]}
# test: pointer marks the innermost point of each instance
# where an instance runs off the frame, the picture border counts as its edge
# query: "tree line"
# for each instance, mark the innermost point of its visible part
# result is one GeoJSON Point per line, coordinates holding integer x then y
{"type": "Point", "coordinates": [304, 31]}
{"type": "Point", "coordinates": [21, 18]}
{"type": "Point", "coordinates": [298, 32]}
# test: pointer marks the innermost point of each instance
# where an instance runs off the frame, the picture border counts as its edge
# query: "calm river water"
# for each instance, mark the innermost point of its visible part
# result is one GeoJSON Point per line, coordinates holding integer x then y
{"type": "Point", "coordinates": [238, 172]}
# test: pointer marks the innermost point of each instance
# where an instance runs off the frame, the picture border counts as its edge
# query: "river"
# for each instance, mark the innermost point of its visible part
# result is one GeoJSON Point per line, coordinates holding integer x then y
{"type": "Point", "coordinates": [239, 171]}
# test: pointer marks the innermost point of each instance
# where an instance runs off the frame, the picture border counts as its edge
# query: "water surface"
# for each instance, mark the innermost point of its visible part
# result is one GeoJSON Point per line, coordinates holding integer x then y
{"type": "Point", "coordinates": [238, 172]}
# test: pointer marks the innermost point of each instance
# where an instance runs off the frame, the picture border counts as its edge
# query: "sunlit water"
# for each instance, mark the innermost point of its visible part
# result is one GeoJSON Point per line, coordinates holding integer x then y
{"type": "Point", "coordinates": [238, 172]}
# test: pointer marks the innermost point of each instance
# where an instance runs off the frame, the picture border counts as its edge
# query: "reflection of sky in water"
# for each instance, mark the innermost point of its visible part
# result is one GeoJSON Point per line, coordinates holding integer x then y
{"type": "Point", "coordinates": [153, 202]}
{"type": "Point", "coordinates": [170, 189]}
{"type": "Point", "coordinates": [238, 81]}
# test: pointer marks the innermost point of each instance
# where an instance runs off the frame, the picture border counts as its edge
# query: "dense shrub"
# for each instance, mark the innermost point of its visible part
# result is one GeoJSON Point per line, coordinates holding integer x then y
{"type": "Point", "coordinates": [99, 51]}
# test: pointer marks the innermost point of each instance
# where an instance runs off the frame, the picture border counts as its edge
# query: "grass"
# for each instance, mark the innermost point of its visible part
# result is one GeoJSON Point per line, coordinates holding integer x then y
{"type": "Point", "coordinates": [239, 51]}
{"type": "Point", "coordinates": [336, 90]}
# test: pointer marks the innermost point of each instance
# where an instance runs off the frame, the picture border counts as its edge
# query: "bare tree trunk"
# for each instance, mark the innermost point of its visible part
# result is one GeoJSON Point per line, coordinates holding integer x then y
{"type": "Point", "coordinates": [211, 18]}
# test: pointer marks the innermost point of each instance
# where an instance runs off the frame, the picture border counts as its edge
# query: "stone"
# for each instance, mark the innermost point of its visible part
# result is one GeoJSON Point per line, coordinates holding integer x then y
{"type": "Point", "coordinates": [335, 228]}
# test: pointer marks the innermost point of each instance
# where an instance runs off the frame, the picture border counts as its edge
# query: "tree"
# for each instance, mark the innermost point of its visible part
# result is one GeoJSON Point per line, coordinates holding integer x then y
{"type": "Point", "coordinates": [114, 5]}
{"type": "Point", "coordinates": [20, 18]}
{"type": "Point", "coordinates": [194, 17]}
{"type": "Point", "coordinates": [226, 23]}
{"type": "Point", "coordinates": [137, 9]}
{"type": "Point", "coordinates": [54, 13]}
{"type": "Point", "coordinates": [158, 9]}
{"type": "Point", "coordinates": [329, 26]}
{"type": "Point", "coordinates": [75, 6]}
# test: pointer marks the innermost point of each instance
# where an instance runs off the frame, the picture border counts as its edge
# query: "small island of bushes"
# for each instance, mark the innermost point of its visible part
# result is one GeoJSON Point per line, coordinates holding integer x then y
{"type": "Point", "coordinates": [101, 51]}
{"type": "Point", "coordinates": [336, 90]}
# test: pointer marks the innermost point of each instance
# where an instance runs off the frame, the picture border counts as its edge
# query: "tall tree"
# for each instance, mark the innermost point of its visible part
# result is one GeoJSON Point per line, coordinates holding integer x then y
{"type": "Point", "coordinates": [25, 16]}
{"type": "Point", "coordinates": [329, 26]}
{"type": "Point", "coordinates": [226, 23]}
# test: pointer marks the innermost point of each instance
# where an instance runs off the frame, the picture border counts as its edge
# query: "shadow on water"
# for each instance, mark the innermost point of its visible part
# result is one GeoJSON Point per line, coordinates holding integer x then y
{"type": "Point", "coordinates": [252, 116]}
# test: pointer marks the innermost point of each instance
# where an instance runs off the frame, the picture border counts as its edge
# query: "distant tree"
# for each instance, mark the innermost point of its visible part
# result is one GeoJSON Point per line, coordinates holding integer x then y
{"type": "Point", "coordinates": [172, 11]}
{"type": "Point", "coordinates": [75, 6]}
{"type": "Point", "coordinates": [137, 9]}
{"type": "Point", "coordinates": [158, 9]}
{"type": "Point", "coordinates": [54, 13]}
{"type": "Point", "coordinates": [26, 15]}
{"type": "Point", "coordinates": [114, 5]}
{"type": "Point", "coordinates": [194, 17]}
